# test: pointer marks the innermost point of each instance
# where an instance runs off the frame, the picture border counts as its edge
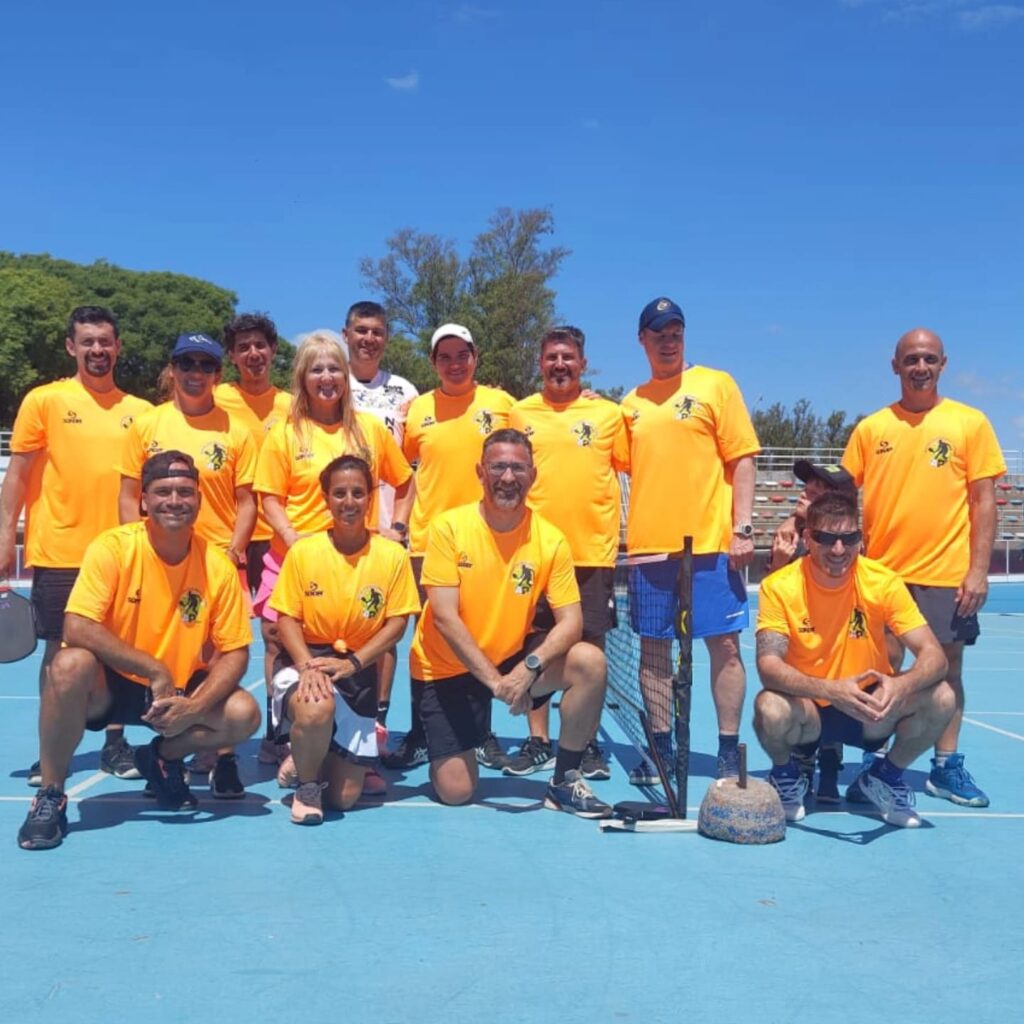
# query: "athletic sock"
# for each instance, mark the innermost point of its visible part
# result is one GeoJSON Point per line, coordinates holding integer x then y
{"type": "Point", "coordinates": [886, 770]}
{"type": "Point", "coordinates": [566, 761]}
{"type": "Point", "coordinates": [727, 743]}
{"type": "Point", "coordinates": [112, 737]}
{"type": "Point", "coordinates": [806, 750]}
{"type": "Point", "coordinates": [940, 757]}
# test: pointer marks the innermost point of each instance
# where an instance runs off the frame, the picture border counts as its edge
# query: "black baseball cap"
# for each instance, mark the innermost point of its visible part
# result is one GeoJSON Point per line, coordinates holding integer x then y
{"type": "Point", "coordinates": [832, 475]}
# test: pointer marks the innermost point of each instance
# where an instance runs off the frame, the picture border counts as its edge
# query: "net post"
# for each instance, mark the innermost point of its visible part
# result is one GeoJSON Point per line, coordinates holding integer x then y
{"type": "Point", "coordinates": [682, 680]}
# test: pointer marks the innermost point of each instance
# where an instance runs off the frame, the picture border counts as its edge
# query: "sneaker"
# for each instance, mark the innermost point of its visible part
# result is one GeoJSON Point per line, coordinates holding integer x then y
{"type": "Point", "coordinates": [118, 759]}
{"type": "Point", "coordinates": [490, 755]}
{"type": "Point", "coordinates": [166, 778]}
{"type": "Point", "coordinates": [373, 784]}
{"type": "Point", "coordinates": [644, 774]}
{"type": "Point", "coordinates": [410, 753]}
{"type": "Point", "coordinates": [307, 804]}
{"type": "Point", "coordinates": [47, 821]}
{"type": "Point", "coordinates": [806, 763]}
{"type": "Point", "coordinates": [954, 782]}
{"type": "Point", "coordinates": [224, 781]}
{"type": "Point", "coordinates": [791, 790]}
{"type": "Point", "coordinates": [535, 755]}
{"type": "Point", "coordinates": [287, 776]}
{"type": "Point", "coordinates": [202, 762]}
{"type": "Point", "coordinates": [271, 752]}
{"type": "Point", "coordinates": [854, 794]}
{"type": "Point", "coordinates": [572, 794]}
{"type": "Point", "coordinates": [829, 766]}
{"type": "Point", "coordinates": [35, 775]}
{"type": "Point", "coordinates": [593, 765]}
{"type": "Point", "coordinates": [729, 765]}
{"type": "Point", "coordinates": [895, 803]}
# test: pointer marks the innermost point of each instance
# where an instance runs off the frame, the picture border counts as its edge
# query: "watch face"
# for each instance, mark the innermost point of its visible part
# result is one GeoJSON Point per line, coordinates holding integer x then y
{"type": "Point", "coordinates": [532, 662]}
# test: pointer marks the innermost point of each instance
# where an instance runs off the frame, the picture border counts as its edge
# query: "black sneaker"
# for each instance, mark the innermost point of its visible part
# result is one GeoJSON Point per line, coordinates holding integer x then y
{"type": "Point", "coordinates": [410, 753]}
{"type": "Point", "coordinates": [47, 821]}
{"type": "Point", "coordinates": [593, 765]}
{"type": "Point", "coordinates": [224, 781]}
{"type": "Point", "coordinates": [118, 759]}
{"type": "Point", "coordinates": [535, 755]}
{"type": "Point", "coordinates": [829, 766]}
{"type": "Point", "coordinates": [489, 753]}
{"type": "Point", "coordinates": [166, 778]}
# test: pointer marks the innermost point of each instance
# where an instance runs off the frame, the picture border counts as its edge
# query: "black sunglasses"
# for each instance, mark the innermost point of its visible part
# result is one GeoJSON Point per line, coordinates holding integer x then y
{"type": "Point", "coordinates": [187, 364]}
{"type": "Point", "coordinates": [828, 538]}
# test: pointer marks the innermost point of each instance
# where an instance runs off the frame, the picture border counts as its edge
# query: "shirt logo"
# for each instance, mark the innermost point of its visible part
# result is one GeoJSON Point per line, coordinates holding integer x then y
{"type": "Point", "coordinates": [313, 590]}
{"type": "Point", "coordinates": [127, 421]}
{"type": "Point", "coordinates": [523, 576]}
{"type": "Point", "coordinates": [635, 416]}
{"type": "Point", "coordinates": [371, 600]}
{"type": "Point", "coordinates": [304, 455]}
{"type": "Point", "coordinates": [153, 448]}
{"type": "Point", "coordinates": [464, 562]}
{"type": "Point", "coordinates": [190, 604]}
{"type": "Point", "coordinates": [584, 433]}
{"type": "Point", "coordinates": [484, 419]}
{"type": "Point", "coordinates": [135, 598]}
{"type": "Point", "coordinates": [272, 422]}
{"type": "Point", "coordinates": [428, 421]}
{"type": "Point", "coordinates": [72, 417]}
{"type": "Point", "coordinates": [393, 393]}
{"type": "Point", "coordinates": [216, 455]}
{"type": "Point", "coordinates": [528, 431]}
{"type": "Point", "coordinates": [940, 451]}
{"type": "Point", "coordinates": [806, 626]}
{"type": "Point", "coordinates": [858, 625]}
{"type": "Point", "coordinates": [883, 448]}
{"type": "Point", "coordinates": [685, 407]}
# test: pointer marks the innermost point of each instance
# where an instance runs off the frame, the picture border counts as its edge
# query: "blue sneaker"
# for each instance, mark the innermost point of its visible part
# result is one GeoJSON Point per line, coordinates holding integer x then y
{"type": "Point", "coordinates": [895, 802]}
{"type": "Point", "coordinates": [572, 794]}
{"type": "Point", "coordinates": [954, 782]}
{"type": "Point", "coordinates": [791, 790]}
{"type": "Point", "coordinates": [729, 765]}
{"type": "Point", "coordinates": [854, 794]}
{"type": "Point", "coordinates": [646, 773]}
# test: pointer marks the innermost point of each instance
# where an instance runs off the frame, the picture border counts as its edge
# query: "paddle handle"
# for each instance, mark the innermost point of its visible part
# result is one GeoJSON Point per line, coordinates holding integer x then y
{"type": "Point", "coordinates": [742, 748]}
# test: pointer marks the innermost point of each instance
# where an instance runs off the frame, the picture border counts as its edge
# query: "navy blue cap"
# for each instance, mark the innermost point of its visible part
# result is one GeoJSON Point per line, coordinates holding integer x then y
{"type": "Point", "coordinates": [197, 345]}
{"type": "Point", "coordinates": [833, 475]}
{"type": "Point", "coordinates": [659, 313]}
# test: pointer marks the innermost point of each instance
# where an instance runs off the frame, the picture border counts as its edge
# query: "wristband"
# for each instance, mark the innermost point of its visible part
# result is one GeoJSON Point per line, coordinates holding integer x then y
{"type": "Point", "coordinates": [382, 712]}
{"type": "Point", "coordinates": [351, 656]}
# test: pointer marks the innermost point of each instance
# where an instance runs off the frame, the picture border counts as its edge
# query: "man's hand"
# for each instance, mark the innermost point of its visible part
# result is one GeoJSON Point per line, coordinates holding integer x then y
{"type": "Point", "coordinates": [783, 547]}
{"type": "Point", "coordinates": [890, 693]}
{"type": "Point", "coordinates": [513, 689]}
{"type": "Point", "coordinates": [741, 552]}
{"type": "Point", "coordinates": [971, 594]}
{"type": "Point", "coordinates": [335, 669]}
{"type": "Point", "coordinates": [848, 697]}
{"type": "Point", "coordinates": [171, 716]}
{"type": "Point", "coordinates": [161, 684]}
{"type": "Point", "coordinates": [314, 685]}
{"type": "Point", "coordinates": [7, 556]}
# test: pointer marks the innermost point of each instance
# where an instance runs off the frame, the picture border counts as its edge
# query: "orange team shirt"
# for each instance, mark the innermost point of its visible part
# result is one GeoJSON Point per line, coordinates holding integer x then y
{"type": "Point", "coordinates": [290, 465]}
{"type": "Point", "coordinates": [500, 577]}
{"type": "Point", "coordinates": [579, 448]}
{"type": "Point", "coordinates": [445, 435]}
{"type": "Point", "coordinates": [837, 634]}
{"type": "Point", "coordinates": [343, 600]}
{"type": "Point", "coordinates": [167, 611]}
{"type": "Point", "coordinates": [223, 452]}
{"type": "Point", "coordinates": [682, 432]}
{"type": "Point", "coordinates": [916, 469]}
{"type": "Point", "coordinates": [71, 497]}
{"type": "Point", "coordinates": [258, 413]}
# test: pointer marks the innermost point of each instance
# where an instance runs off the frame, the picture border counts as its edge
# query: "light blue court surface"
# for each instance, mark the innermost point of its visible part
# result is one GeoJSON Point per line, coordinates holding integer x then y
{"type": "Point", "coordinates": [410, 912]}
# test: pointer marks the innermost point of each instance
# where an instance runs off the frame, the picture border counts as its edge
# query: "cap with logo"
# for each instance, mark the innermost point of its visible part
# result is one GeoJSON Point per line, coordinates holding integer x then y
{"type": "Point", "coordinates": [833, 475]}
{"type": "Point", "coordinates": [659, 313]}
{"type": "Point", "coordinates": [197, 344]}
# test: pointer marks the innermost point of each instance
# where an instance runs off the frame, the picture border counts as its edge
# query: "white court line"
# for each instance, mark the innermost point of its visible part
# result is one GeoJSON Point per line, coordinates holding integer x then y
{"type": "Point", "coordinates": [85, 784]}
{"type": "Point", "coordinates": [8, 696]}
{"type": "Point", "coordinates": [1014, 713]}
{"type": "Point", "coordinates": [992, 728]}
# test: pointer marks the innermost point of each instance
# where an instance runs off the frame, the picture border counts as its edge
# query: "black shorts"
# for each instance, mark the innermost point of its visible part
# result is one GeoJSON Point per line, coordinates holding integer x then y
{"type": "Point", "coordinates": [51, 589]}
{"type": "Point", "coordinates": [597, 601]}
{"type": "Point", "coordinates": [254, 552]}
{"type": "Point", "coordinates": [131, 700]}
{"type": "Point", "coordinates": [839, 727]}
{"type": "Point", "coordinates": [938, 606]}
{"type": "Point", "coordinates": [455, 712]}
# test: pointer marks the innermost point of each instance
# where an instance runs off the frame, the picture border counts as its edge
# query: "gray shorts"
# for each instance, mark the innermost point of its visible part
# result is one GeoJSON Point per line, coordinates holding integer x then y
{"type": "Point", "coordinates": [938, 606]}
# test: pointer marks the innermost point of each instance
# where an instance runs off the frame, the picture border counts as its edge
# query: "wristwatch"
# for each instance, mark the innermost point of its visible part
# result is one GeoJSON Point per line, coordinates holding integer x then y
{"type": "Point", "coordinates": [744, 530]}
{"type": "Point", "coordinates": [534, 664]}
{"type": "Point", "coordinates": [353, 657]}
{"type": "Point", "coordinates": [401, 528]}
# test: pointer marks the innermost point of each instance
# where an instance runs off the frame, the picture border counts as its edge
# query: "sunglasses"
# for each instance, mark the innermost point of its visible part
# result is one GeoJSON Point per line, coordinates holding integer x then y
{"type": "Point", "coordinates": [828, 538]}
{"type": "Point", "coordinates": [499, 469]}
{"type": "Point", "coordinates": [187, 364]}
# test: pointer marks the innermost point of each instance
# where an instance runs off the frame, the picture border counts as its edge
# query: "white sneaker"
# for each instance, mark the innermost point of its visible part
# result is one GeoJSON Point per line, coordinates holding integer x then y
{"type": "Point", "coordinates": [895, 803]}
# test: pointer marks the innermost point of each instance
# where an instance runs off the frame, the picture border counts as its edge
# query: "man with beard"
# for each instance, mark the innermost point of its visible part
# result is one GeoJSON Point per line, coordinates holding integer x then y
{"type": "Point", "coordinates": [487, 564]}
{"type": "Point", "coordinates": [928, 466]}
{"type": "Point", "coordinates": [62, 472]}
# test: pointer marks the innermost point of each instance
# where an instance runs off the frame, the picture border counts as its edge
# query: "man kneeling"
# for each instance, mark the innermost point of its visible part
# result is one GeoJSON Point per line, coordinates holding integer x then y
{"type": "Point", "coordinates": [822, 659]}
{"type": "Point", "coordinates": [156, 633]}
{"type": "Point", "coordinates": [485, 568]}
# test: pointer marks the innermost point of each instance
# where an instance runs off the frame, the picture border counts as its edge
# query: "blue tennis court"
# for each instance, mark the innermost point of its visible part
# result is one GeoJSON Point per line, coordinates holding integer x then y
{"type": "Point", "coordinates": [403, 910]}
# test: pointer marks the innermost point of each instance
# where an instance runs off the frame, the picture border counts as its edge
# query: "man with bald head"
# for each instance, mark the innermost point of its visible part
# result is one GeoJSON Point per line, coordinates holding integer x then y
{"type": "Point", "coordinates": [928, 466]}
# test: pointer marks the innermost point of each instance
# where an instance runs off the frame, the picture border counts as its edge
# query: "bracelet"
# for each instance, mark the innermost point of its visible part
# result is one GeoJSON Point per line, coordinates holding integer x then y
{"type": "Point", "coordinates": [354, 658]}
{"type": "Point", "coordinates": [382, 711]}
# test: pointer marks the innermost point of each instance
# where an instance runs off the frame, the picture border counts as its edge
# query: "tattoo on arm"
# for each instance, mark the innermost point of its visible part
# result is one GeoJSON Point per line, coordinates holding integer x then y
{"type": "Point", "coordinates": [769, 642]}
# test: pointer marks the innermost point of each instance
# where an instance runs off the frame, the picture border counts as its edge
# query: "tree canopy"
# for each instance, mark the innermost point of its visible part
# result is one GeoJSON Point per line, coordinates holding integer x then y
{"type": "Point", "coordinates": [779, 427]}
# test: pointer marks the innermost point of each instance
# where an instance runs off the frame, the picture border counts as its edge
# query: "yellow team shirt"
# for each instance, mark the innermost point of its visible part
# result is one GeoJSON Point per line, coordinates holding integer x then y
{"type": "Point", "coordinates": [915, 469]}
{"type": "Point", "coordinates": [445, 436]}
{"type": "Point", "coordinates": [343, 600]}
{"type": "Point", "coordinates": [258, 413]}
{"type": "Point", "coordinates": [500, 577]}
{"type": "Point", "coordinates": [837, 634]}
{"type": "Point", "coordinates": [682, 432]}
{"type": "Point", "coordinates": [167, 611]}
{"type": "Point", "coordinates": [223, 451]}
{"type": "Point", "coordinates": [72, 490]}
{"type": "Point", "coordinates": [291, 462]}
{"type": "Point", "coordinates": [579, 448]}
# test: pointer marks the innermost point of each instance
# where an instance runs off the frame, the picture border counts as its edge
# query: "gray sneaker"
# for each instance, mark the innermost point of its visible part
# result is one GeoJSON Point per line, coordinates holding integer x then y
{"type": "Point", "coordinates": [118, 759]}
{"type": "Point", "coordinates": [535, 755]}
{"type": "Point", "coordinates": [490, 755]}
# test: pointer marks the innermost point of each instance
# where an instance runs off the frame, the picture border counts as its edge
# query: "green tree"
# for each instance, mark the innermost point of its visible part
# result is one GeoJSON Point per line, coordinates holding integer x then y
{"type": "Point", "coordinates": [500, 291]}
{"type": "Point", "coordinates": [779, 427]}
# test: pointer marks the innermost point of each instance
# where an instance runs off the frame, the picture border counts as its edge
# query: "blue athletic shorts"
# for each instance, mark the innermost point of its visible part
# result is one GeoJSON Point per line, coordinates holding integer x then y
{"type": "Point", "coordinates": [719, 598]}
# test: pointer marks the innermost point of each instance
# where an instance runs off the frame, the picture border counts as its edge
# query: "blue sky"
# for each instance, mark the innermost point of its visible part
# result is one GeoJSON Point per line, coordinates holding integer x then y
{"type": "Point", "coordinates": [807, 179]}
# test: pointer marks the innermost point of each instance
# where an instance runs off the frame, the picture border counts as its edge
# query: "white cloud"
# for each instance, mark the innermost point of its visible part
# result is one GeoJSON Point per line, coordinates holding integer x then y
{"type": "Point", "coordinates": [991, 14]}
{"type": "Point", "coordinates": [970, 15]}
{"type": "Point", "coordinates": [405, 83]}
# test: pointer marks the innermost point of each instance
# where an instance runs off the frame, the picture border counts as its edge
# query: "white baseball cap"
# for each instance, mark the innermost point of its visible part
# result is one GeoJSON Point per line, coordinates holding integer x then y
{"type": "Point", "coordinates": [451, 331]}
